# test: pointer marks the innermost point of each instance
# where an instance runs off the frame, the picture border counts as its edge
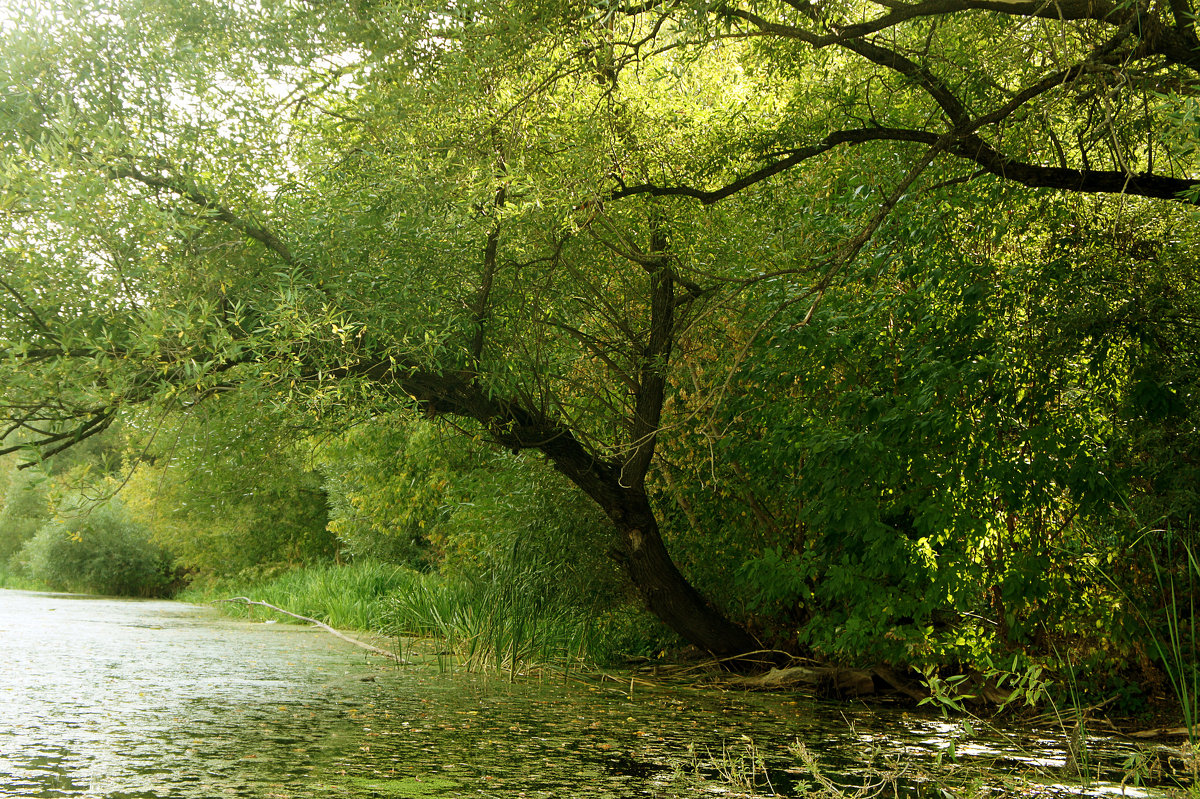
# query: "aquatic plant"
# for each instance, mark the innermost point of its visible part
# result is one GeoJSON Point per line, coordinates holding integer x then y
{"type": "Point", "coordinates": [498, 625]}
{"type": "Point", "coordinates": [349, 596]}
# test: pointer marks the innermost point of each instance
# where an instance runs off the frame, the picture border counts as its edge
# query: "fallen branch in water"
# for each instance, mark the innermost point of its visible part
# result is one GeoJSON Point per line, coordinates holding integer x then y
{"type": "Point", "coordinates": [323, 626]}
{"type": "Point", "coordinates": [1159, 732]}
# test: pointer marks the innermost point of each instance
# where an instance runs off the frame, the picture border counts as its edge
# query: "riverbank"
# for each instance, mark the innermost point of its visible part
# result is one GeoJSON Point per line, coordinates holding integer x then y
{"type": "Point", "coordinates": [491, 632]}
{"type": "Point", "coordinates": [490, 625]}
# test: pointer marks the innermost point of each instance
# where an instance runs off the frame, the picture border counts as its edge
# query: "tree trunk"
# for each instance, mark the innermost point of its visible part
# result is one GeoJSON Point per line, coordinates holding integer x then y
{"type": "Point", "coordinates": [643, 556]}
{"type": "Point", "coordinates": [665, 591]}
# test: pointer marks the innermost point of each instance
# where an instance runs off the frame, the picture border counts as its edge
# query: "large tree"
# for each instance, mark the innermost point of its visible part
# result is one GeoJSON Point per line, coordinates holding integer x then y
{"type": "Point", "coordinates": [541, 218]}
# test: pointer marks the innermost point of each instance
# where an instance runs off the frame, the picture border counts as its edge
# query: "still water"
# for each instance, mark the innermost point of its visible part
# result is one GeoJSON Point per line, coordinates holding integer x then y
{"type": "Point", "coordinates": [111, 699]}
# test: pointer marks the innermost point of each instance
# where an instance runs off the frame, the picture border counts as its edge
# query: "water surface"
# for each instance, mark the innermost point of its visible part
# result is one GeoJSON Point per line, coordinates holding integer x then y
{"type": "Point", "coordinates": [109, 698]}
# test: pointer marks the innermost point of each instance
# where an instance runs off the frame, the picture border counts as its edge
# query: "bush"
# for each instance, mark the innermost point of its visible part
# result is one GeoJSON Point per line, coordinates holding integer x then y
{"type": "Point", "coordinates": [24, 508]}
{"type": "Point", "coordinates": [98, 550]}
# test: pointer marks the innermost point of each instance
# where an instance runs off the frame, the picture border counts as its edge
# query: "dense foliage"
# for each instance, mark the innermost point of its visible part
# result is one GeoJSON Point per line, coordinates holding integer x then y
{"type": "Point", "coordinates": [98, 550]}
{"type": "Point", "coordinates": [874, 322]}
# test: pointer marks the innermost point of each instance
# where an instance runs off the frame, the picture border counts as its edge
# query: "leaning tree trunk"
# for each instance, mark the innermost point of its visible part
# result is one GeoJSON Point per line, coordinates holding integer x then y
{"type": "Point", "coordinates": [644, 558]}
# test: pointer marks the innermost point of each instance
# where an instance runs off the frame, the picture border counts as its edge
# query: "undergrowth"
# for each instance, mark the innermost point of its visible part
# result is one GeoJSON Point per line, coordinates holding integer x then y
{"type": "Point", "coordinates": [500, 623]}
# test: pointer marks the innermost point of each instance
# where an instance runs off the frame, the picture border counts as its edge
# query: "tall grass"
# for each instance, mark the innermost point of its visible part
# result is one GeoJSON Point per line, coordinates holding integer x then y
{"type": "Point", "coordinates": [1178, 650]}
{"type": "Point", "coordinates": [494, 625]}
{"type": "Point", "coordinates": [352, 596]}
{"type": "Point", "coordinates": [503, 622]}
{"type": "Point", "coordinates": [1176, 641]}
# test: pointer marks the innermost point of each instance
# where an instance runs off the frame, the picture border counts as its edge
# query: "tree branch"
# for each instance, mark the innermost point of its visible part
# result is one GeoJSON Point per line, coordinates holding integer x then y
{"type": "Point", "coordinates": [209, 205]}
{"type": "Point", "coordinates": [794, 158]}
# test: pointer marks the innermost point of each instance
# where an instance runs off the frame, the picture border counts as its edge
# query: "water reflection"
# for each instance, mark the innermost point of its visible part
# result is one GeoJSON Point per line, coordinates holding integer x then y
{"type": "Point", "coordinates": [109, 698]}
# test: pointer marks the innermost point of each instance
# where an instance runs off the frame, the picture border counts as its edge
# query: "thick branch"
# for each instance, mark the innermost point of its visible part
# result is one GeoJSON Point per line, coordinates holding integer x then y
{"type": "Point", "coordinates": [97, 422]}
{"type": "Point", "coordinates": [1085, 181]}
{"type": "Point", "coordinates": [479, 310]}
{"type": "Point", "coordinates": [652, 380]}
{"type": "Point", "coordinates": [1099, 10]}
{"type": "Point", "coordinates": [973, 148]}
{"type": "Point", "coordinates": [793, 158]}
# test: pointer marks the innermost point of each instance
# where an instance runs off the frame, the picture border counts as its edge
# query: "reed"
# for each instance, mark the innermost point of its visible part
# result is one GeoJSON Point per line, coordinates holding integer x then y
{"type": "Point", "coordinates": [19, 581]}
{"type": "Point", "coordinates": [347, 596]}
{"type": "Point", "coordinates": [1178, 649]}
{"type": "Point", "coordinates": [1176, 640]}
{"type": "Point", "coordinates": [498, 624]}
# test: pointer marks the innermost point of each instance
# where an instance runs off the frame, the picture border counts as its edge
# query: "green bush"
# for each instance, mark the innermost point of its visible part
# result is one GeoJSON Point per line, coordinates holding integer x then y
{"type": "Point", "coordinates": [24, 508]}
{"type": "Point", "coordinates": [98, 550]}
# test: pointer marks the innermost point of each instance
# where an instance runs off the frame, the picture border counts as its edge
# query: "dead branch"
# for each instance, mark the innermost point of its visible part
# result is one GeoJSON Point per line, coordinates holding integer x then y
{"type": "Point", "coordinates": [370, 648]}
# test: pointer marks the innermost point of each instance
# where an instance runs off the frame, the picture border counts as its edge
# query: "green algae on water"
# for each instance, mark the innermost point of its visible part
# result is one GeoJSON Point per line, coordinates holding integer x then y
{"type": "Point", "coordinates": [406, 786]}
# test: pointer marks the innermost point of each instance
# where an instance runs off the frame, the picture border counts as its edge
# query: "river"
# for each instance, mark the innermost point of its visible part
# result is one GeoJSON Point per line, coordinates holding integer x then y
{"type": "Point", "coordinates": [114, 699]}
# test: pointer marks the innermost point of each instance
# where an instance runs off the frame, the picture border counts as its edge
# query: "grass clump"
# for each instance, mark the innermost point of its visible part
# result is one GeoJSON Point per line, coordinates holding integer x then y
{"type": "Point", "coordinates": [493, 625]}
{"type": "Point", "coordinates": [503, 623]}
{"type": "Point", "coordinates": [347, 596]}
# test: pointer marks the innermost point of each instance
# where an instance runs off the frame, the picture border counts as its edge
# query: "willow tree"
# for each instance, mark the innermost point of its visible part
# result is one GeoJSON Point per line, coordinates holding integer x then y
{"type": "Point", "coordinates": [546, 219]}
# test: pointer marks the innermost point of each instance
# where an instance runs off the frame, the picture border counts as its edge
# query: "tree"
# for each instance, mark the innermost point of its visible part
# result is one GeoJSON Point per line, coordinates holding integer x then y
{"type": "Point", "coordinates": [538, 218]}
{"type": "Point", "coordinates": [228, 489]}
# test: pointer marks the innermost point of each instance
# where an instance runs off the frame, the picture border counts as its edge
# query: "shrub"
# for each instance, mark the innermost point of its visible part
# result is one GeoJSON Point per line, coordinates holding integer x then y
{"type": "Point", "coordinates": [24, 508]}
{"type": "Point", "coordinates": [100, 550]}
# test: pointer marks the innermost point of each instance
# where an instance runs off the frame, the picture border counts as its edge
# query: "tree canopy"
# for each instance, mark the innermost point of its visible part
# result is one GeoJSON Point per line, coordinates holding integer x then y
{"type": "Point", "coordinates": [640, 238]}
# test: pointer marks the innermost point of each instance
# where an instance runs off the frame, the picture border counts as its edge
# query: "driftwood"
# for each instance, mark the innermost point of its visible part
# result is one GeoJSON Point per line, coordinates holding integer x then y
{"type": "Point", "coordinates": [889, 677]}
{"type": "Point", "coordinates": [369, 647]}
{"type": "Point", "coordinates": [1159, 732]}
{"type": "Point", "coordinates": [826, 679]}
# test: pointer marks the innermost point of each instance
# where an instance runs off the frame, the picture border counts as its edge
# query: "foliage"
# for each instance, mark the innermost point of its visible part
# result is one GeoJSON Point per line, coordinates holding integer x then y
{"type": "Point", "coordinates": [98, 549]}
{"type": "Point", "coordinates": [879, 317]}
{"type": "Point", "coordinates": [914, 477]}
{"type": "Point", "coordinates": [227, 492]}
{"type": "Point", "coordinates": [387, 481]}
{"type": "Point", "coordinates": [514, 518]}
{"type": "Point", "coordinates": [26, 506]}
{"type": "Point", "coordinates": [522, 574]}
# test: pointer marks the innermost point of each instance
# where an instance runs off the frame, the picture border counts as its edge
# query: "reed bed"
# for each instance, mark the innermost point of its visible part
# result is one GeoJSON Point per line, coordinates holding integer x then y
{"type": "Point", "coordinates": [504, 623]}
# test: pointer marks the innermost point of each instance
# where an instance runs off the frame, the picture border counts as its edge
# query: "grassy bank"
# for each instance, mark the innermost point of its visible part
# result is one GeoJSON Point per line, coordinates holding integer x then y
{"type": "Point", "coordinates": [351, 597]}
{"type": "Point", "coordinates": [19, 581]}
{"type": "Point", "coordinates": [486, 624]}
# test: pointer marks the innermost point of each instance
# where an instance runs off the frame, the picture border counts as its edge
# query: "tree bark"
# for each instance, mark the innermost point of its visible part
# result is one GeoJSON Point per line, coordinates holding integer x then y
{"type": "Point", "coordinates": [642, 555]}
{"type": "Point", "coordinates": [666, 593]}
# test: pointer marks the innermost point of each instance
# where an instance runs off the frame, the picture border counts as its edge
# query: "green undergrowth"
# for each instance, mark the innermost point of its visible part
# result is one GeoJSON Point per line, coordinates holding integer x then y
{"type": "Point", "coordinates": [19, 582]}
{"type": "Point", "coordinates": [346, 596]}
{"type": "Point", "coordinates": [495, 624]}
